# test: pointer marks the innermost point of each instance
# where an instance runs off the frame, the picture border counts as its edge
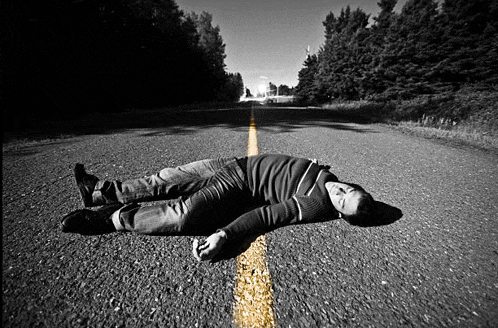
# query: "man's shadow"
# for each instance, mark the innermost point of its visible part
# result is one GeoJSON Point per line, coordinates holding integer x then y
{"type": "Point", "coordinates": [384, 215]}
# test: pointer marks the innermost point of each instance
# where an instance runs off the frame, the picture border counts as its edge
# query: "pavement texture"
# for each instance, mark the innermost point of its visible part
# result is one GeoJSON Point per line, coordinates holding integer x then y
{"type": "Point", "coordinates": [435, 266]}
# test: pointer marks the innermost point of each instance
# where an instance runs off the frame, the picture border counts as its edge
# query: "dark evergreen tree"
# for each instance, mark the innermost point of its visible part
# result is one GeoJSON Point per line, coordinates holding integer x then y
{"type": "Point", "coordinates": [213, 48]}
{"type": "Point", "coordinates": [233, 88]}
{"type": "Point", "coordinates": [386, 17]}
{"type": "Point", "coordinates": [469, 42]}
{"type": "Point", "coordinates": [373, 81]}
{"type": "Point", "coordinates": [344, 57]}
{"type": "Point", "coordinates": [285, 90]}
{"type": "Point", "coordinates": [411, 50]}
{"type": "Point", "coordinates": [272, 89]}
{"type": "Point", "coordinates": [248, 93]}
{"type": "Point", "coordinates": [306, 89]}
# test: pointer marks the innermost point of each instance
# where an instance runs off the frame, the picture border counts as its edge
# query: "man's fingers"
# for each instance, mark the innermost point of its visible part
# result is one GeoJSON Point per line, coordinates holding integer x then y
{"type": "Point", "coordinates": [195, 249]}
{"type": "Point", "coordinates": [205, 255]}
{"type": "Point", "coordinates": [208, 248]}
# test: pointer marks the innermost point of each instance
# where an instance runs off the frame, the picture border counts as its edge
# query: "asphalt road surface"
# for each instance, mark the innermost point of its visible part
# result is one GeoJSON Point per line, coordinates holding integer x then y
{"type": "Point", "coordinates": [437, 266]}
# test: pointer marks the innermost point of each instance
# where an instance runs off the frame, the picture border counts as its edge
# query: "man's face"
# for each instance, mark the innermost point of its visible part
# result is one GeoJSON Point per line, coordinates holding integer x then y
{"type": "Point", "coordinates": [344, 197]}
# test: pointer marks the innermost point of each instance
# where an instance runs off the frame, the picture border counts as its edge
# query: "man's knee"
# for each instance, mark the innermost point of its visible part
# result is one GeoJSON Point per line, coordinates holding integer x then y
{"type": "Point", "coordinates": [165, 174]}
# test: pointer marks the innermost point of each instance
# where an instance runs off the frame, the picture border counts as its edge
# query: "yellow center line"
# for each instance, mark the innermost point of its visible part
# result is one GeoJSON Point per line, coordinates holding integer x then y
{"type": "Point", "coordinates": [253, 286]}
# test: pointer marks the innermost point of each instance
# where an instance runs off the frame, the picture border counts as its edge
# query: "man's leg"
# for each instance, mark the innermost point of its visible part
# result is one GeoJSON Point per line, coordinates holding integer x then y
{"type": "Point", "coordinates": [169, 183]}
{"type": "Point", "coordinates": [208, 209]}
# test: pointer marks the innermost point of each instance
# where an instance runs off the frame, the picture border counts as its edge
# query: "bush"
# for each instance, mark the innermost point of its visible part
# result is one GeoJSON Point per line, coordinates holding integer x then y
{"type": "Point", "coordinates": [468, 109]}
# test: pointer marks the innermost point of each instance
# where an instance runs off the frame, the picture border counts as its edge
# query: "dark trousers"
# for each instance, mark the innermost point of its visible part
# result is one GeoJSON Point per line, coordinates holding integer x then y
{"type": "Point", "coordinates": [168, 183]}
{"type": "Point", "coordinates": [204, 205]}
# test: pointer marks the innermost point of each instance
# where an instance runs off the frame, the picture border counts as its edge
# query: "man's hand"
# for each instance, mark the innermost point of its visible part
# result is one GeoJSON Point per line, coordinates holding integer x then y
{"type": "Point", "coordinates": [210, 247]}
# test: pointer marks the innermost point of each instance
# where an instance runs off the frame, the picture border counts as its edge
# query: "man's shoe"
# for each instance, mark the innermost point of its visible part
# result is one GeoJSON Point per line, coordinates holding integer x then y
{"type": "Point", "coordinates": [86, 184]}
{"type": "Point", "coordinates": [88, 222]}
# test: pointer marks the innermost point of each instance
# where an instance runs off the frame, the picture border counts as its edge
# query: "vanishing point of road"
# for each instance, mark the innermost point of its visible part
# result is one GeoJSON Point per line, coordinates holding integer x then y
{"type": "Point", "coordinates": [437, 266]}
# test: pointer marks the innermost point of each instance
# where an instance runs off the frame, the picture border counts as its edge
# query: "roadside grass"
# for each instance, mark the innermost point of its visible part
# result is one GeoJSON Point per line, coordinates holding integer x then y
{"type": "Point", "coordinates": [469, 137]}
{"type": "Point", "coordinates": [468, 116]}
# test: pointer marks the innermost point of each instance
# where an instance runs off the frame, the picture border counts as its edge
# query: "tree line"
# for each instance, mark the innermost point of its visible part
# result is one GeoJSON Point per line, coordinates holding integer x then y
{"type": "Point", "coordinates": [73, 56]}
{"type": "Point", "coordinates": [429, 47]}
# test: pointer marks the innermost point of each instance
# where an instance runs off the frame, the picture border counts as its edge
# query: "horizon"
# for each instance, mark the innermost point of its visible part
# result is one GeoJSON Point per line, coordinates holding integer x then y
{"type": "Point", "coordinates": [270, 38]}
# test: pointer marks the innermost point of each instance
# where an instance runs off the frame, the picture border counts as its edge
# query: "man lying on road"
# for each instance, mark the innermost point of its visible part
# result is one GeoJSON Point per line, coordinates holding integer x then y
{"type": "Point", "coordinates": [222, 198]}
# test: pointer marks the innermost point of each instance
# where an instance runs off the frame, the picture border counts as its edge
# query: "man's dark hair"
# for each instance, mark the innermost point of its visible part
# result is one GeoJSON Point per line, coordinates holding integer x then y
{"type": "Point", "coordinates": [365, 210]}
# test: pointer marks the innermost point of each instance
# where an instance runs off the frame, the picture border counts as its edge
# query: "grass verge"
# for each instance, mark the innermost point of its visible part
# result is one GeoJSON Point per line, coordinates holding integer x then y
{"type": "Point", "coordinates": [468, 116]}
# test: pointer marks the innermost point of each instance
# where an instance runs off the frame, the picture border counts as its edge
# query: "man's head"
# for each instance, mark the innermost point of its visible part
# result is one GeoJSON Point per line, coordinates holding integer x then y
{"type": "Point", "coordinates": [351, 201]}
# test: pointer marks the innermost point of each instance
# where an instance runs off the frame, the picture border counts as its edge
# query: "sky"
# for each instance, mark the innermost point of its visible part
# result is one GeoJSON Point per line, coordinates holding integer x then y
{"type": "Point", "coordinates": [266, 40]}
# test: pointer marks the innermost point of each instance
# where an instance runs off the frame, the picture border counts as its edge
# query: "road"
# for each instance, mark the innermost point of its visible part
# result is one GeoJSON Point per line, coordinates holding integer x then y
{"type": "Point", "coordinates": [437, 266]}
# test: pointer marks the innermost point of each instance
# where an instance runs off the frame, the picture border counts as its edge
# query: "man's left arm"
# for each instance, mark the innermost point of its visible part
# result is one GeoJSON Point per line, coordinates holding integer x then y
{"type": "Point", "coordinates": [296, 210]}
{"type": "Point", "coordinates": [258, 221]}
